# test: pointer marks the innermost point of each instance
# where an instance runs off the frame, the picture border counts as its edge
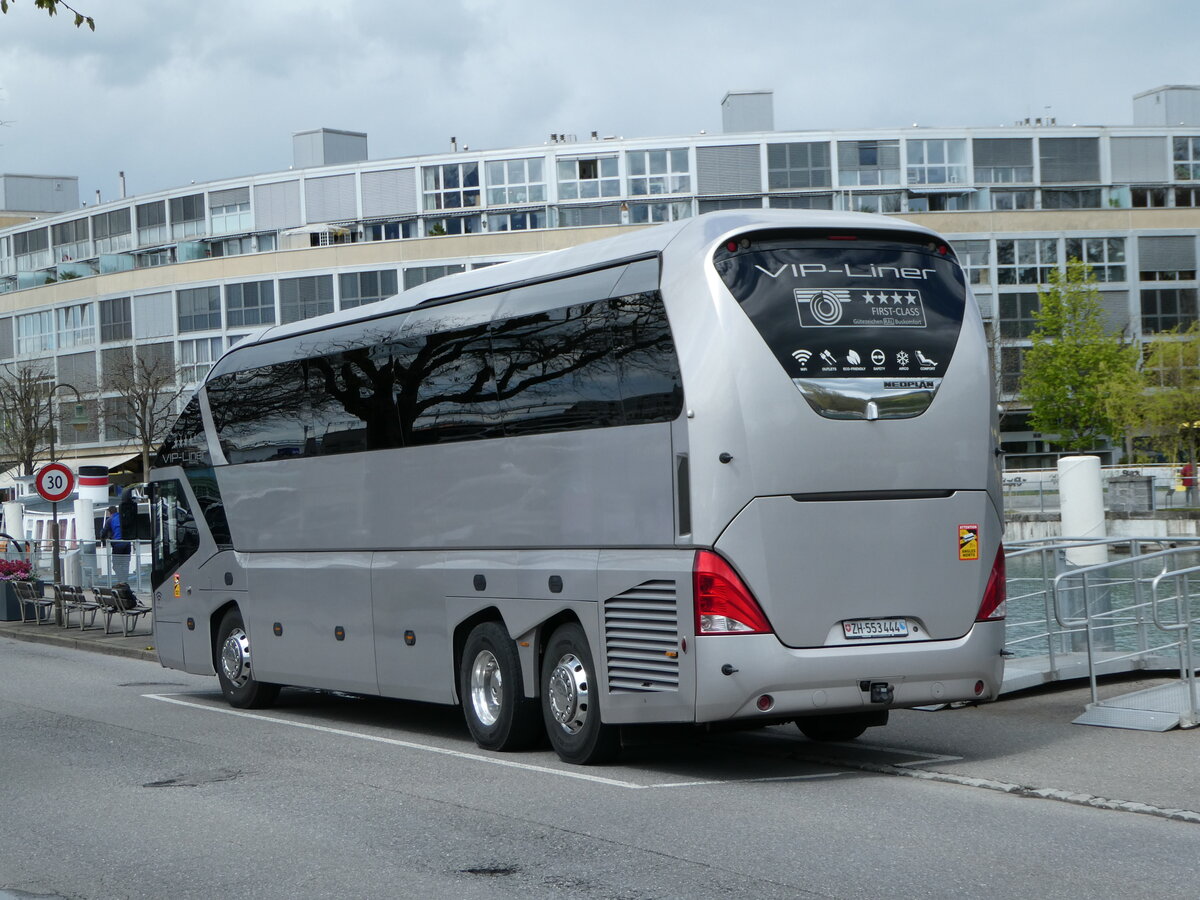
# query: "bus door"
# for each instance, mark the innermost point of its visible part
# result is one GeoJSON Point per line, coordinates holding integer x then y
{"type": "Point", "coordinates": [175, 543]}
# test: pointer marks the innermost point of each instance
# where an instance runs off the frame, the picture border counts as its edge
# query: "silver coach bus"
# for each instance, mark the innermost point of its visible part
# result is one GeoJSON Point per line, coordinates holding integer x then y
{"type": "Point", "coordinates": [738, 468]}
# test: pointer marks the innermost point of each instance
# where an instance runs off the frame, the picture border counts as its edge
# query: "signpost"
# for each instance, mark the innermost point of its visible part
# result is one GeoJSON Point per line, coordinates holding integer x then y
{"type": "Point", "coordinates": [55, 482]}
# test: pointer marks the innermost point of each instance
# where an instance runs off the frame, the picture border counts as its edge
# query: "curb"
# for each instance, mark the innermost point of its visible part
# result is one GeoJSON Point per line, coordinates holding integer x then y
{"type": "Point", "coordinates": [92, 645]}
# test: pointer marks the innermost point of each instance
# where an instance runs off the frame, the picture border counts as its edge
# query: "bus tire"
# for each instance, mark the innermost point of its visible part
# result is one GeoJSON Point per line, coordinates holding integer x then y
{"type": "Point", "coordinates": [238, 685]}
{"type": "Point", "coordinates": [570, 701]}
{"type": "Point", "coordinates": [499, 715]}
{"type": "Point", "coordinates": [844, 727]}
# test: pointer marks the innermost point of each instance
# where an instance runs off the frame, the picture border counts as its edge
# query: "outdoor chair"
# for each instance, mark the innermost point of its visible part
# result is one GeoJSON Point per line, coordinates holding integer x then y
{"type": "Point", "coordinates": [74, 599]}
{"type": "Point", "coordinates": [106, 604]}
{"type": "Point", "coordinates": [35, 607]}
{"type": "Point", "coordinates": [129, 608]}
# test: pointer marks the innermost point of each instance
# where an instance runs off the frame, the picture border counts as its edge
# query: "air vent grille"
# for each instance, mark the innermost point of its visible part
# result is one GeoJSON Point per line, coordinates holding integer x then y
{"type": "Point", "coordinates": [641, 638]}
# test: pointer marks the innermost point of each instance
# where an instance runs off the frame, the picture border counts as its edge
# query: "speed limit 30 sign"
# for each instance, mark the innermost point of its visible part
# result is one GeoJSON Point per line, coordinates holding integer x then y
{"type": "Point", "coordinates": [55, 482]}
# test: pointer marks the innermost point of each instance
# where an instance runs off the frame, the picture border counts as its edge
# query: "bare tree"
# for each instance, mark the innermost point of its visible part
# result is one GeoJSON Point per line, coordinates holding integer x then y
{"type": "Point", "coordinates": [149, 389]}
{"type": "Point", "coordinates": [24, 412]}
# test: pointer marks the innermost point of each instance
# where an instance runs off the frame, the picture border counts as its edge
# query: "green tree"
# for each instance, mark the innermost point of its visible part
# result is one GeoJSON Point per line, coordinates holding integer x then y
{"type": "Point", "coordinates": [52, 7]}
{"type": "Point", "coordinates": [1165, 407]}
{"type": "Point", "coordinates": [1075, 367]}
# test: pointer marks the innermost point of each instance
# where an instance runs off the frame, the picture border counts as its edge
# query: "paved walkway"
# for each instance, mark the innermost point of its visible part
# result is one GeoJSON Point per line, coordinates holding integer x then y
{"type": "Point", "coordinates": [139, 645]}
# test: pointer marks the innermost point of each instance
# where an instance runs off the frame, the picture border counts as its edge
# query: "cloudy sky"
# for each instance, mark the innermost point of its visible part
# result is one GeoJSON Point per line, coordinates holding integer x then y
{"type": "Point", "coordinates": [173, 91]}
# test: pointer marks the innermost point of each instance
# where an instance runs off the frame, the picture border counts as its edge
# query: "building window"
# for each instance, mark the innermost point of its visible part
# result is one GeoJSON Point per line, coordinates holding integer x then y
{"type": "Point", "coordinates": [196, 357]}
{"type": "Point", "coordinates": [67, 433]}
{"type": "Point", "coordinates": [1012, 199]}
{"type": "Point", "coordinates": [164, 257]}
{"type": "Point", "coordinates": [32, 249]}
{"type": "Point", "coordinates": [35, 332]}
{"type": "Point", "coordinates": [1012, 363]}
{"type": "Point", "coordinates": [76, 326]}
{"type": "Point", "coordinates": [1165, 309]}
{"type": "Point", "coordinates": [976, 259]}
{"type": "Point", "coordinates": [801, 201]}
{"type": "Point", "coordinates": [1106, 256]}
{"type": "Point", "coordinates": [187, 216]}
{"type": "Point", "coordinates": [199, 309]}
{"type": "Point", "coordinates": [303, 298]}
{"type": "Point", "coordinates": [1026, 261]}
{"type": "Point", "coordinates": [588, 179]}
{"type": "Point", "coordinates": [1187, 158]}
{"type": "Point", "coordinates": [112, 232]}
{"type": "Point", "coordinates": [357, 288]}
{"type": "Point", "coordinates": [419, 275]}
{"type": "Point", "coordinates": [937, 161]}
{"type": "Point", "coordinates": [1147, 197]}
{"type": "Point", "coordinates": [1003, 160]}
{"type": "Point", "coordinates": [587, 216]}
{"type": "Point", "coordinates": [451, 186]}
{"type": "Point", "coordinates": [868, 162]}
{"type": "Point", "coordinates": [152, 222]}
{"type": "Point", "coordinates": [231, 246]}
{"type": "Point", "coordinates": [1187, 196]}
{"type": "Point", "coordinates": [230, 210]}
{"type": "Point", "coordinates": [516, 181]}
{"type": "Point", "coordinates": [72, 240]}
{"type": "Point", "coordinates": [876, 203]}
{"type": "Point", "coordinates": [249, 303]}
{"type": "Point", "coordinates": [729, 203]}
{"type": "Point", "coordinates": [1068, 160]}
{"type": "Point", "coordinates": [1057, 198]}
{"type": "Point", "coordinates": [801, 165]}
{"type": "Point", "coordinates": [116, 323]}
{"type": "Point", "coordinates": [522, 221]}
{"type": "Point", "coordinates": [453, 225]}
{"type": "Point", "coordinates": [648, 213]}
{"type": "Point", "coordinates": [658, 172]}
{"type": "Point", "coordinates": [1016, 315]}
{"type": "Point", "coordinates": [391, 231]}
{"type": "Point", "coordinates": [939, 202]}
{"type": "Point", "coordinates": [1167, 258]}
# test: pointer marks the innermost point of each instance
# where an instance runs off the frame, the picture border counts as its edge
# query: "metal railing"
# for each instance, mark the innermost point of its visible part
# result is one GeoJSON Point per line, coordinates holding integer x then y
{"type": "Point", "coordinates": [1138, 610]}
{"type": "Point", "coordinates": [87, 564]}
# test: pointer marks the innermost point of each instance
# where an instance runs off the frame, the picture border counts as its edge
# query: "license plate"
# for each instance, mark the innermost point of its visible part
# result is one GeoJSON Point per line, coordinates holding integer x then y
{"type": "Point", "coordinates": [857, 629]}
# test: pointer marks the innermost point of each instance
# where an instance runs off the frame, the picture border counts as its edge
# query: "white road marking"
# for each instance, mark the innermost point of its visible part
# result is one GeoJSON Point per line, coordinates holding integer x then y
{"type": "Point", "coordinates": [475, 757]}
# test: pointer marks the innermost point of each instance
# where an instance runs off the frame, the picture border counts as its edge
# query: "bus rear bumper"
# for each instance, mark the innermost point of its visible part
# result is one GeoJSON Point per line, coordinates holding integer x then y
{"type": "Point", "coordinates": [756, 677]}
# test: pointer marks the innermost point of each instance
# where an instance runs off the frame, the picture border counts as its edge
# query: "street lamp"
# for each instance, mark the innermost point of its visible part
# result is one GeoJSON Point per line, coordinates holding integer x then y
{"type": "Point", "coordinates": [79, 421]}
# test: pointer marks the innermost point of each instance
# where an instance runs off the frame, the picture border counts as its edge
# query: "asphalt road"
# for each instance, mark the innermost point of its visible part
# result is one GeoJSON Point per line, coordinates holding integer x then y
{"type": "Point", "coordinates": [122, 779]}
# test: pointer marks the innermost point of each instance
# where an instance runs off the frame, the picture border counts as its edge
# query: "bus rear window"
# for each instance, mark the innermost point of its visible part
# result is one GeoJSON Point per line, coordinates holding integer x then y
{"type": "Point", "coordinates": [849, 305]}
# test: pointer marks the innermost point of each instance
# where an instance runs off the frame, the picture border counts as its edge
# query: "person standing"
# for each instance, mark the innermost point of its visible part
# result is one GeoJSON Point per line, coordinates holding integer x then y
{"type": "Point", "coordinates": [1187, 476]}
{"type": "Point", "coordinates": [112, 535]}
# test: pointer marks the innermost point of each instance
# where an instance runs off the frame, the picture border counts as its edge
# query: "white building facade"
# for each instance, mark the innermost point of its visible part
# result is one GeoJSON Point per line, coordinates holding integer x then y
{"type": "Point", "coordinates": [183, 274]}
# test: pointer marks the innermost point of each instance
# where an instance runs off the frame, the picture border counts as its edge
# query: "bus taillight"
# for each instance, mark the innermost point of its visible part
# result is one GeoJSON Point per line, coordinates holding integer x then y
{"type": "Point", "coordinates": [995, 595]}
{"type": "Point", "coordinates": [724, 605]}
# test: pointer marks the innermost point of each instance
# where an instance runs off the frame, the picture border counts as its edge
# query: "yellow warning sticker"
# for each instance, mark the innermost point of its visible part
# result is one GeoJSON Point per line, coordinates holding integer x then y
{"type": "Point", "coordinates": [968, 542]}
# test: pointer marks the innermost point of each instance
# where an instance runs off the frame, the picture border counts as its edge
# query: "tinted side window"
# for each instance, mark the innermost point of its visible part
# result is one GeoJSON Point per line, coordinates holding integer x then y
{"type": "Point", "coordinates": [455, 397]}
{"type": "Point", "coordinates": [174, 528]}
{"type": "Point", "coordinates": [557, 371]}
{"type": "Point", "coordinates": [651, 388]}
{"type": "Point", "coordinates": [186, 445]}
{"type": "Point", "coordinates": [262, 413]}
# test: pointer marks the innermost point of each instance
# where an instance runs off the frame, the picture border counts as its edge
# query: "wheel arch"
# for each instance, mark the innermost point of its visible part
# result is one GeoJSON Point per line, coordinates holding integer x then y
{"type": "Point", "coordinates": [462, 630]}
{"type": "Point", "coordinates": [214, 626]}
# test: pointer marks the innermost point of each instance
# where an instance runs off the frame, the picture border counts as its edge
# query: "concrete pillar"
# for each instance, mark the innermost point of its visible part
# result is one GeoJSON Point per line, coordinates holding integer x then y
{"type": "Point", "coordinates": [1081, 500]}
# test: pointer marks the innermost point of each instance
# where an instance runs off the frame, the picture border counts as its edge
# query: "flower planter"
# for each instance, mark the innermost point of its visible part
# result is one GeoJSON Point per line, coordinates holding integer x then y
{"type": "Point", "coordinates": [10, 608]}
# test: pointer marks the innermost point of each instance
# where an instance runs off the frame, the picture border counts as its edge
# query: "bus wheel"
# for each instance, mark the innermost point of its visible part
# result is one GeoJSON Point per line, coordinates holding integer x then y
{"type": "Point", "coordinates": [845, 727]}
{"type": "Point", "coordinates": [498, 714]}
{"type": "Point", "coordinates": [233, 666]}
{"type": "Point", "coordinates": [570, 701]}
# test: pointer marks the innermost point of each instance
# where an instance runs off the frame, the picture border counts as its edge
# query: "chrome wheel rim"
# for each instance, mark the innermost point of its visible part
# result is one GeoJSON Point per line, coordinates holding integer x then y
{"type": "Point", "coordinates": [568, 693]}
{"type": "Point", "coordinates": [235, 657]}
{"type": "Point", "coordinates": [487, 688]}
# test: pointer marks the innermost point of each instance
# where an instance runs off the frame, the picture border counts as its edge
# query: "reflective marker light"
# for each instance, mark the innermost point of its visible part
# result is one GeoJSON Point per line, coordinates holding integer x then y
{"type": "Point", "coordinates": [994, 606]}
{"type": "Point", "coordinates": [765, 703]}
{"type": "Point", "coordinates": [724, 605]}
{"type": "Point", "coordinates": [979, 686]}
